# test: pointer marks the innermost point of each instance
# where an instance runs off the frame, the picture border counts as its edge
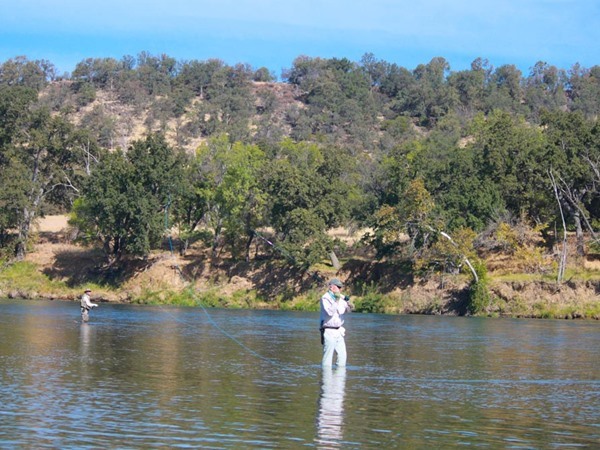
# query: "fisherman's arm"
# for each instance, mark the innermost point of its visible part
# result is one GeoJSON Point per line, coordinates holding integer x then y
{"type": "Point", "coordinates": [330, 306]}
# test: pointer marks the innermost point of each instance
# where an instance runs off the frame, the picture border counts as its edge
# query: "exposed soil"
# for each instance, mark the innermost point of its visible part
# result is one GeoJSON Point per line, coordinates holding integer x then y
{"type": "Point", "coordinates": [60, 259]}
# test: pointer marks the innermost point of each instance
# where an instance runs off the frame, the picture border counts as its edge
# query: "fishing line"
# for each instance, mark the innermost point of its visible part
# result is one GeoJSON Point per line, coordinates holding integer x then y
{"type": "Point", "coordinates": [197, 302]}
{"type": "Point", "coordinates": [316, 275]}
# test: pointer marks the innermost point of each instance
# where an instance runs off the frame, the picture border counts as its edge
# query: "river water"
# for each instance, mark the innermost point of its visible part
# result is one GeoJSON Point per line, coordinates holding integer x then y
{"type": "Point", "coordinates": [167, 377]}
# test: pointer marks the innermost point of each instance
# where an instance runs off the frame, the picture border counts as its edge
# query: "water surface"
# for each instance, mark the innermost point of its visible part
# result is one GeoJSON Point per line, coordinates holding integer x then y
{"type": "Point", "coordinates": [166, 377]}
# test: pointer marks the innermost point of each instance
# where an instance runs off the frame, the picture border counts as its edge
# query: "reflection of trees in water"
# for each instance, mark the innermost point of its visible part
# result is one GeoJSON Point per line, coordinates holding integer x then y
{"type": "Point", "coordinates": [330, 418]}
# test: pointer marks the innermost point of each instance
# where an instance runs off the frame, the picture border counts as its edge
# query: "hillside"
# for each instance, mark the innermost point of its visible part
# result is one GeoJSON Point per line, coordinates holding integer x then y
{"type": "Point", "coordinates": [420, 154]}
{"type": "Point", "coordinates": [126, 122]}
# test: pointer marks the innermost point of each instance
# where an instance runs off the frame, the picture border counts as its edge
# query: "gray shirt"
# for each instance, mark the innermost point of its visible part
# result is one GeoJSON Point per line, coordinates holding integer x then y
{"type": "Point", "coordinates": [86, 303]}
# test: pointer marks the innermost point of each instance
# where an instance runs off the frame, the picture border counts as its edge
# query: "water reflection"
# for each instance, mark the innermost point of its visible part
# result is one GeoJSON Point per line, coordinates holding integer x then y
{"type": "Point", "coordinates": [330, 418]}
{"type": "Point", "coordinates": [85, 337]}
{"type": "Point", "coordinates": [149, 377]}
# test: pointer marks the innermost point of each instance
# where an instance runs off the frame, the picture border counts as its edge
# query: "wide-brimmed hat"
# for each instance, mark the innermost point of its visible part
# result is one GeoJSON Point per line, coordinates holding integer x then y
{"type": "Point", "coordinates": [336, 282]}
{"type": "Point", "coordinates": [88, 290]}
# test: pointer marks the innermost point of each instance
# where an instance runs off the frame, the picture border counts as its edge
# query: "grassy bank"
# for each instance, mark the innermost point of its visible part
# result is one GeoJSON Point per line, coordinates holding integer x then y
{"type": "Point", "coordinates": [515, 296]}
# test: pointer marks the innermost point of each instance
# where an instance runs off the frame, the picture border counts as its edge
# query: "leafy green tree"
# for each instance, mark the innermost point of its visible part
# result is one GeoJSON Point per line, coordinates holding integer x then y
{"type": "Point", "coordinates": [123, 203]}
{"type": "Point", "coordinates": [102, 73]}
{"type": "Point", "coordinates": [49, 151]}
{"type": "Point", "coordinates": [544, 89]}
{"type": "Point", "coordinates": [227, 102]}
{"type": "Point", "coordinates": [197, 76]}
{"type": "Point", "coordinates": [228, 184]}
{"type": "Point", "coordinates": [471, 87]}
{"type": "Point", "coordinates": [20, 71]}
{"type": "Point", "coordinates": [573, 144]}
{"type": "Point", "coordinates": [311, 189]}
{"type": "Point", "coordinates": [264, 75]}
{"type": "Point", "coordinates": [405, 225]}
{"type": "Point", "coordinates": [339, 99]}
{"type": "Point", "coordinates": [512, 157]}
{"type": "Point", "coordinates": [505, 90]}
{"type": "Point", "coordinates": [12, 198]}
{"type": "Point", "coordinates": [15, 102]}
{"type": "Point", "coordinates": [156, 73]}
{"type": "Point", "coordinates": [584, 90]}
{"type": "Point", "coordinates": [450, 170]}
{"type": "Point", "coordinates": [44, 151]}
{"type": "Point", "coordinates": [433, 97]}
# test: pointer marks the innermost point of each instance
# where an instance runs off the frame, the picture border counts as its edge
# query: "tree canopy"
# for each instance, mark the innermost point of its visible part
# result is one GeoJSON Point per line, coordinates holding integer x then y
{"type": "Point", "coordinates": [135, 145]}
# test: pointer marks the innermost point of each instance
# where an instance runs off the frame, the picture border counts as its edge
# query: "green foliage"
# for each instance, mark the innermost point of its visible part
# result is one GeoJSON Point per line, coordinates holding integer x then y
{"type": "Point", "coordinates": [408, 152]}
{"type": "Point", "coordinates": [20, 71]}
{"type": "Point", "coordinates": [264, 75]}
{"type": "Point", "coordinates": [368, 299]}
{"type": "Point", "coordinates": [45, 151]}
{"type": "Point", "coordinates": [479, 297]}
{"type": "Point", "coordinates": [444, 255]}
{"type": "Point", "coordinates": [227, 185]}
{"type": "Point", "coordinates": [29, 279]}
{"type": "Point", "coordinates": [123, 202]}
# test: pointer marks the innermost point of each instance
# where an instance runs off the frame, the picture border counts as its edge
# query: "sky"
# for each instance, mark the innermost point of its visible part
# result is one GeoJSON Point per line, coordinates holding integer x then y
{"type": "Point", "coordinates": [272, 33]}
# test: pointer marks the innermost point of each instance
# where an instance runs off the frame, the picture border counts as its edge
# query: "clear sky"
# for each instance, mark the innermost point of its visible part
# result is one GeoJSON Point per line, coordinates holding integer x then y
{"type": "Point", "coordinates": [272, 33]}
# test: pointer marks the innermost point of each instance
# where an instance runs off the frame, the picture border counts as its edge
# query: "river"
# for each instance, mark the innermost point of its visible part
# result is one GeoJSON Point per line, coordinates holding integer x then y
{"type": "Point", "coordinates": [168, 377]}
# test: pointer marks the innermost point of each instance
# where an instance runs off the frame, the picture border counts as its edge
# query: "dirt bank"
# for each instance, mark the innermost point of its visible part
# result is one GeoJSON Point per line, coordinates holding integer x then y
{"type": "Point", "coordinates": [377, 286]}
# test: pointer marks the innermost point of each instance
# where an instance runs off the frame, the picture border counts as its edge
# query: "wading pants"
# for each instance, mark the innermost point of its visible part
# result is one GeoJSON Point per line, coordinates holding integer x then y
{"type": "Point", "coordinates": [333, 342]}
{"type": "Point", "coordinates": [85, 314]}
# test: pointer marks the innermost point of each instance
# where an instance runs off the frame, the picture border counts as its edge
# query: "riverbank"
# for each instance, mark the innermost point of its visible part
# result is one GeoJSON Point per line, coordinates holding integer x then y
{"type": "Point", "coordinates": [57, 269]}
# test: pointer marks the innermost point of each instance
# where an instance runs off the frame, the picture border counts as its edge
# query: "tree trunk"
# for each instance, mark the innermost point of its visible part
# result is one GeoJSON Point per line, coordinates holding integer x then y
{"type": "Point", "coordinates": [21, 248]}
{"type": "Point", "coordinates": [248, 244]}
{"type": "Point", "coordinates": [334, 260]}
{"type": "Point", "coordinates": [579, 233]}
{"type": "Point", "coordinates": [562, 264]}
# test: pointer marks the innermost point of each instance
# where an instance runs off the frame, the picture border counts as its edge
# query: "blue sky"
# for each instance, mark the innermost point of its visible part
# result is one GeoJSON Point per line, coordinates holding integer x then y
{"type": "Point", "coordinates": [273, 33]}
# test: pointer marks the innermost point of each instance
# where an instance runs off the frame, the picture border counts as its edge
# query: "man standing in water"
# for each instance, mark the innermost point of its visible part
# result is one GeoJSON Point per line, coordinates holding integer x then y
{"type": "Point", "coordinates": [86, 305]}
{"type": "Point", "coordinates": [333, 306]}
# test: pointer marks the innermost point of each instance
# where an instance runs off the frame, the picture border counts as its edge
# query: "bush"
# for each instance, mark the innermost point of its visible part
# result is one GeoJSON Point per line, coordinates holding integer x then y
{"type": "Point", "coordinates": [369, 300]}
{"type": "Point", "coordinates": [479, 297]}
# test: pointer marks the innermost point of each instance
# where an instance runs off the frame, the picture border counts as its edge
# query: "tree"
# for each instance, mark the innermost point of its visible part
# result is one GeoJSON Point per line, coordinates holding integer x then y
{"type": "Point", "coordinates": [340, 101]}
{"type": "Point", "coordinates": [512, 156]}
{"type": "Point", "coordinates": [571, 139]}
{"type": "Point", "coordinates": [20, 71]}
{"type": "Point", "coordinates": [310, 189]}
{"type": "Point", "coordinates": [505, 90]}
{"type": "Point", "coordinates": [544, 89]}
{"type": "Point", "coordinates": [46, 151]}
{"type": "Point", "coordinates": [433, 97]}
{"type": "Point", "coordinates": [264, 75]}
{"type": "Point", "coordinates": [584, 90]}
{"type": "Point", "coordinates": [228, 184]}
{"type": "Point", "coordinates": [471, 86]}
{"type": "Point", "coordinates": [102, 73]}
{"type": "Point", "coordinates": [124, 201]}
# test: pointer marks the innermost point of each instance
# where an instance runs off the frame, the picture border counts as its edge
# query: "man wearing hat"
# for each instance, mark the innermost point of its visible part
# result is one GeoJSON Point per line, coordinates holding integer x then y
{"type": "Point", "coordinates": [86, 305]}
{"type": "Point", "coordinates": [333, 306]}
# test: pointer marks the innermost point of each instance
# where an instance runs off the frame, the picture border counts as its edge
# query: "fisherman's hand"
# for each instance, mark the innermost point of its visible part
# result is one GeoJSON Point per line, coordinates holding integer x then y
{"type": "Point", "coordinates": [350, 305]}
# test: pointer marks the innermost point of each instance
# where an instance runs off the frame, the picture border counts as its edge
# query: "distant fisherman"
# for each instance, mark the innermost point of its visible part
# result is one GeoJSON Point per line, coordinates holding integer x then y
{"type": "Point", "coordinates": [333, 306]}
{"type": "Point", "coordinates": [86, 305]}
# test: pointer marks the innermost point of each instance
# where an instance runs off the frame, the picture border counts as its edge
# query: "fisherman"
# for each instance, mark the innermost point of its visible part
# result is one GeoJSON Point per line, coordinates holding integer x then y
{"type": "Point", "coordinates": [86, 305]}
{"type": "Point", "coordinates": [333, 306]}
